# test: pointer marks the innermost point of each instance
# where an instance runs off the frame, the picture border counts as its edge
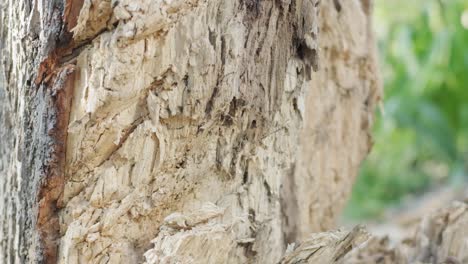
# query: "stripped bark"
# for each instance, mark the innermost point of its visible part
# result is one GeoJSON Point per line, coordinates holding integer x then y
{"type": "Point", "coordinates": [143, 129]}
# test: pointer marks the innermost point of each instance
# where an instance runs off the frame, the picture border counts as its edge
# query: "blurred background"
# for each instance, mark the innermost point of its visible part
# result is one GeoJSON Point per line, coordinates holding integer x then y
{"type": "Point", "coordinates": [421, 136]}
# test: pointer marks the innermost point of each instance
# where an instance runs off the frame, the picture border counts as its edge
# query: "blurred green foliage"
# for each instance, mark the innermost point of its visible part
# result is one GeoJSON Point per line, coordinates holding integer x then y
{"type": "Point", "coordinates": [421, 139]}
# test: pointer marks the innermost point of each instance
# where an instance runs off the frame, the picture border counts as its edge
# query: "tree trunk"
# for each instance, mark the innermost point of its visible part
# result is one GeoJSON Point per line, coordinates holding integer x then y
{"type": "Point", "coordinates": [184, 131]}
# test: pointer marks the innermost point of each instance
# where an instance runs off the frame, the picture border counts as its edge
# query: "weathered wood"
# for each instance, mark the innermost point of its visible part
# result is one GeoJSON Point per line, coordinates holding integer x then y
{"type": "Point", "coordinates": [211, 109]}
{"type": "Point", "coordinates": [440, 237]}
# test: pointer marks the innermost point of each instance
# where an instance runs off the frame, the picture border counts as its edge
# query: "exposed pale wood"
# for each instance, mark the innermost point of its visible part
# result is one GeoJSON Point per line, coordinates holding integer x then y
{"type": "Point", "coordinates": [257, 111]}
{"type": "Point", "coordinates": [327, 247]}
{"type": "Point", "coordinates": [440, 237]}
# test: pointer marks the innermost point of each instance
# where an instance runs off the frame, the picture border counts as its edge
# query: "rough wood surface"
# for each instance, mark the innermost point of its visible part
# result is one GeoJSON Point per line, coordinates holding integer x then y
{"type": "Point", "coordinates": [187, 102]}
{"type": "Point", "coordinates": [327, 247]}
{"type": "Point", "coordinates": [239, 123]}
{"type": "Point", "coordinates": [440, 237]}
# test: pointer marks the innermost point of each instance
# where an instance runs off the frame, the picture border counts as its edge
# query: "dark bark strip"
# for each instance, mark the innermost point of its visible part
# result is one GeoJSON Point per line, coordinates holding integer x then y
{"type": "Point", "coordinates": [58, 81]}
{"type": "Point", "coordinates": [51, 188]}
{"type": "Point", "coordinates": [35, 96]}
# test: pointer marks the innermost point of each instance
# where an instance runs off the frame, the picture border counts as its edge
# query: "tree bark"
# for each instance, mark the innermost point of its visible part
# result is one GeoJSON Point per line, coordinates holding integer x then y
{"type": "Point", "coordinates": [185, 131]}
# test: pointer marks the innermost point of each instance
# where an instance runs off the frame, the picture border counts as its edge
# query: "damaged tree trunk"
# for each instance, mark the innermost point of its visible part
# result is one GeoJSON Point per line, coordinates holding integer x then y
{"type": "Point", "coordinates": [184, 131]}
